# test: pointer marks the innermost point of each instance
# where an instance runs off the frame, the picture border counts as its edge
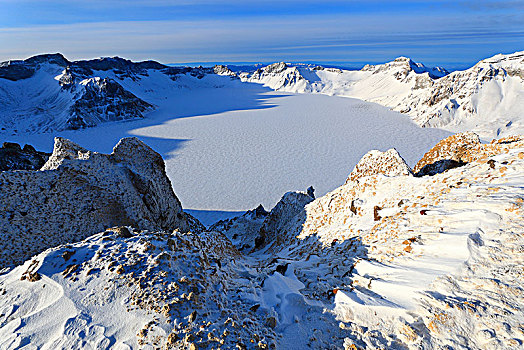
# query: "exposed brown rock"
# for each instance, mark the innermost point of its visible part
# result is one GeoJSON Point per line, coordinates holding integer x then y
{"type": "Point", "coordinates": [461, 149]}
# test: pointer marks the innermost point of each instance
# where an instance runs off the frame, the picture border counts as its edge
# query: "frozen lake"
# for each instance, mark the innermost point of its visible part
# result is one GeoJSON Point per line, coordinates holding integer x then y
{"type": "Point", "coordinates": [231, 148]}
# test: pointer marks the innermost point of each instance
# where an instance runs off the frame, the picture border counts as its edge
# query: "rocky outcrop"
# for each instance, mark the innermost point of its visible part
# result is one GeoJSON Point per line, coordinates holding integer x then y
{"type": "Point", "coordinates": [243, 229]}
{"type": "Point", "coordinates": [407, 65]}
{"type": "Point", "coordinates": [289, 209]}
{"type": "Point", "coordinates": [280, 76]}
{"type": "Point", "coordinates": [223, 70]}
{"type": "Point", "coordinates": [78, 193]}
{"type": "Point", "coordinates": [388, 163]}
{"type": "Point", "coordinates": [14, 157]}
{"type": "Point", "coordinates": [460, 149]}
{"type": "Point", "coordinates": [448, 153]}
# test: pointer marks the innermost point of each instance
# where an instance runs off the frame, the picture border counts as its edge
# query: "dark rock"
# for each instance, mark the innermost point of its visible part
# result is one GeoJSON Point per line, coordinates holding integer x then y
{"type": "Point", "coordinates": [15, 70]}
{"type": "Point", "coordinates": [290, 207]}
{"type": "Point", "coordinates": [376, 216]}
{"type": "Point", "coordinates": [439, 166]}
{"type": "Point", "coordinates": [254, 308]}
{"type": "Point", "coordinates": [11, 146]}
{"type": "Point", "coordinates": [353, 208]}
{"type": "Point", "coordinates": [29, 149]}
{"type": "Point", "coordinates": [13, 157]}
{"type": "Point", "coordinates": [281, 269]}
{"type": "Point", "coordinates": [122, 232]}
{"type": "Point", "coordinates": [105, 100]}
{"type": "Point", "coordinates": [311, 192]}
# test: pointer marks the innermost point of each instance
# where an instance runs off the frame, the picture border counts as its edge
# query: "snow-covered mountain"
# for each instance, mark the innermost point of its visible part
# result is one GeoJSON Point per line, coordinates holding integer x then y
{"type": "Point", "coordinates": [487, 98]}
{"type": "Point", "coordinates": [388, 260]}
{"type": "Point", "coordinates": [49, 93]}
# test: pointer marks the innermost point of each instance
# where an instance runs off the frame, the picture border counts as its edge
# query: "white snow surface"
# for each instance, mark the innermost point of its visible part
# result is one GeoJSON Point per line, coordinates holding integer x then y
{"type": "Point", "coordinates": [255, 143]}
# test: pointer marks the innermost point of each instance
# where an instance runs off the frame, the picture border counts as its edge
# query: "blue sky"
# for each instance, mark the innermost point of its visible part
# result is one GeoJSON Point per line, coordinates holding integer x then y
{"type": "Point", "coordinates": [453, 34]}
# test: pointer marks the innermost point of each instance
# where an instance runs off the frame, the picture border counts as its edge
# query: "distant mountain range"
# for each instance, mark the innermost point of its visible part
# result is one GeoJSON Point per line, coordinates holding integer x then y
{"type": "Point", "coordinates": [487, 98]}
{"type": "Point", "coordinates": [48, 93]}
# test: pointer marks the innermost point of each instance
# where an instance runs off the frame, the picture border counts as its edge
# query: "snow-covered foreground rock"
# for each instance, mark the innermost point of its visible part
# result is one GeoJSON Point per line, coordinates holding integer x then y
{"type": "Point", "coordinates": [78, 193]}
{"type": "Point", "coordinates": [486, 98]}
{"type": "Point", "coordinates": [388, 260]}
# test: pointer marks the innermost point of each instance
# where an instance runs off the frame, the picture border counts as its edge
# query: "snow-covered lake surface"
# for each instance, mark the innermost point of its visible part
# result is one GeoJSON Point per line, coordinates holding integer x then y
{"type": "Point", "coordinates": [231, 148]}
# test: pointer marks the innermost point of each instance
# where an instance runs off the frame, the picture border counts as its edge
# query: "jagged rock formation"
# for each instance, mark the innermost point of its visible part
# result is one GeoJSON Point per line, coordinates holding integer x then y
{"type": "Point", "coordinates": [448, 153]}
{"type": "Point", "coordinates": [407, 65]}
{"type": "Point", "coordinates": [257, 229]}
{"type": "Point", "coordinates": [280, 76]}
{"type": "Point", "coordinates": [486, 98]}
{"type": "Point", "coordinates": [104, 100]}
{"type": "Point", "coordinates": [388, 163]}
{"type": "Point", "coordinates": [78, 193]}
{"type": "Point", "coordinates": [290, 207]}
{"type": "Point", "coordinates": [248, 224]}
{"type": "Point", "coordinates": [223, 70]}
{"type": "Point", "coordinates": [14, 157]}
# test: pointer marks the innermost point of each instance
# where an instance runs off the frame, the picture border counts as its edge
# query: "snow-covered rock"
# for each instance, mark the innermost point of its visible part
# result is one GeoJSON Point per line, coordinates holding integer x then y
{"type": "Point", "coordinates": [50, 93]}
{"type": "Point", "coordinates": [448, 153]}
{"type": "Point", "coordinates": [388, 163]}
{"type": "Point", "coordinates": [223, 70]}
{"type": "Point", "coordinates": [243, 229]}
{"type": "Point", "coordinates": [289, 208]}
{"type": "Point", "coordinates": [280, 76]}
{"type": "Point", "coordinates": [78, 193]}
{"type": "Point", "coordinates": [104, 100]}
{"type": "Point", "coordinates": [148, 290]}
{"type": "Point", "coordinates": [460, 149]}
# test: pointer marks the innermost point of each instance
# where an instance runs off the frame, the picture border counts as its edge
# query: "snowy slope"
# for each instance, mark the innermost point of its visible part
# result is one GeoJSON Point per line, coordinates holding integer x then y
{"type": "Point", "coordinates": [384, 261]}
{"type": "Point", "coordinates": [487, 98]}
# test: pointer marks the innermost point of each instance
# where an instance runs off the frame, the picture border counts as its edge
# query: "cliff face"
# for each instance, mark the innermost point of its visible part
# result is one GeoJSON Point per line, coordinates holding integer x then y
{"type": "Point", "coordinates": [78, 193]}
